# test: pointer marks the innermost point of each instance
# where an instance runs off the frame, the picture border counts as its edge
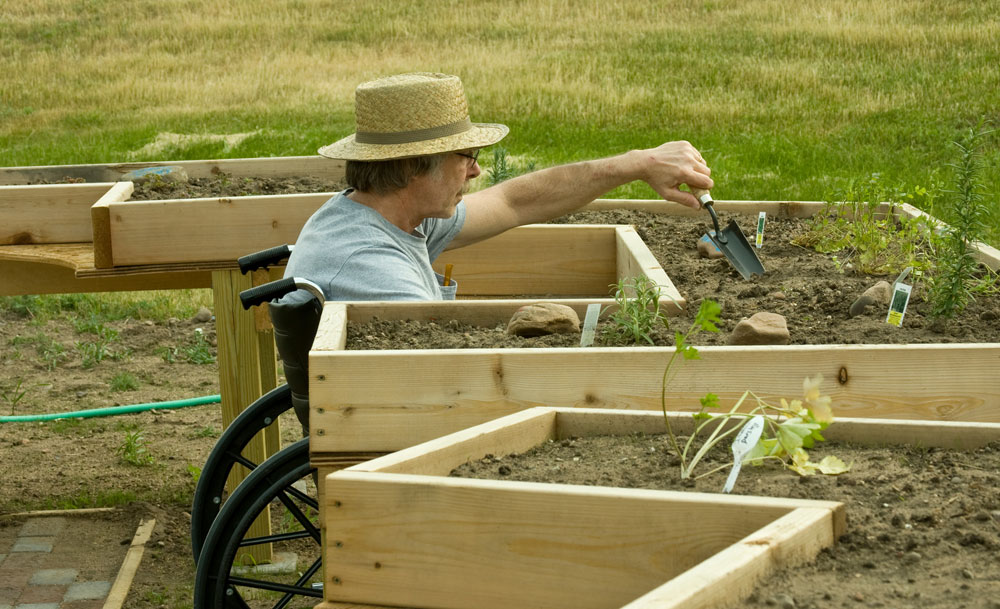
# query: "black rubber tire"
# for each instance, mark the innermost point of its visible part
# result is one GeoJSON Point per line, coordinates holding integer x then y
{"type": "Point", "coordinates": [271, 481]}
{"type": "Point", "coordinates": [210, 494]}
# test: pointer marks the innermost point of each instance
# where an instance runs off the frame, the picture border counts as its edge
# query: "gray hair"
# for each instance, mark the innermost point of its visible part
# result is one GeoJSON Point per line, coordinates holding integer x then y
{"type": "Point", "coordinates": [385, 177]}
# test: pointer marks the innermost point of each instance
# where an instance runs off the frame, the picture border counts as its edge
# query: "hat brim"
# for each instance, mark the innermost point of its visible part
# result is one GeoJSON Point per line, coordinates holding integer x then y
{"type": "Point", "coordinates": [479, 136]}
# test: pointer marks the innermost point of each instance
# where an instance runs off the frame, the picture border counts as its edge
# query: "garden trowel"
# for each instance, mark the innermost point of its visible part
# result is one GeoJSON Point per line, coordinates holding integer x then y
{"type": "Point", "coordinates": [731, 241]}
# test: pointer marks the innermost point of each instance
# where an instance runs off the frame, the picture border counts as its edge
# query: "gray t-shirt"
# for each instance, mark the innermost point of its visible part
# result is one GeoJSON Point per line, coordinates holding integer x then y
{"type": "Point", "coordinates": [353, 253]}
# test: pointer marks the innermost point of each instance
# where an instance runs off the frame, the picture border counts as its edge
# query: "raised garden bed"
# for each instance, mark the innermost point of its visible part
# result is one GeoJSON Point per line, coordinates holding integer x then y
{"type": "Point", "coordinates": [293, 168]}
{"type": "Point", "coordinates": [401, 531]}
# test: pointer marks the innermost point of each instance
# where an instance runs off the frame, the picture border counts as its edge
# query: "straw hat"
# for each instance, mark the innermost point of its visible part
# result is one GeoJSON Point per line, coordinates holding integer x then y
{"type": "Point", "coordinates": [412, 115]}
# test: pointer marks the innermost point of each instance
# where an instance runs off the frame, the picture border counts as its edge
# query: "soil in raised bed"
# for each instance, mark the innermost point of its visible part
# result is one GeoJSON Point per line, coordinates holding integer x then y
{"type": "Point", "coordinates": [804, 286]}
{"type": "Point", "coordinates": [923, 523]}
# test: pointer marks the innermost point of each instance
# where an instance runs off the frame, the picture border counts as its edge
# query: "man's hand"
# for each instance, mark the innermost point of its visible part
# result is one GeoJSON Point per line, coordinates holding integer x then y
{"type": "Point", "coordinates": [669, 165]}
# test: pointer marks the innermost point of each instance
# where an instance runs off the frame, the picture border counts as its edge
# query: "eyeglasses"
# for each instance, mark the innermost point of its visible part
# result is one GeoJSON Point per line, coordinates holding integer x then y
{"type": "Point", "coordinates": [474, 156]}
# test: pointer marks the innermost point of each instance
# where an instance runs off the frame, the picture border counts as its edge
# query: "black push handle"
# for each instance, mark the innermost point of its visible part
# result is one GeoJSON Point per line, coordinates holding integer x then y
{"type": "Point", "coordinates": [267, 292]}
{"type": "Point", "coordinates": [264, 258]}
{"type": "Point", "coordinates": [276, 289]}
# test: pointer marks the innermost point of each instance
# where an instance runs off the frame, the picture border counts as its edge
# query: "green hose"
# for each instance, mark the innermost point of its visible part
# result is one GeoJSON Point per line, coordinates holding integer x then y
{"type": "Point", "coordinates": [114, 410]}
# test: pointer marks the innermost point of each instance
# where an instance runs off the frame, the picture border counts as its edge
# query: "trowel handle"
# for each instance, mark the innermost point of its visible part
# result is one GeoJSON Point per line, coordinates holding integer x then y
{"type": "Point", "coordinates": [705, 198]}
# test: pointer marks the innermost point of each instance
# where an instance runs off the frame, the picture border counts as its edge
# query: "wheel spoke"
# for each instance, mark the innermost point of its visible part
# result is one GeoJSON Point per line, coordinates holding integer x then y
{"type": "Point", "coordinates": [301, 582]}
{"type": "Point", "coordinates": [260, 584]}
{"type": "Point", "coordinates": [299, 515]}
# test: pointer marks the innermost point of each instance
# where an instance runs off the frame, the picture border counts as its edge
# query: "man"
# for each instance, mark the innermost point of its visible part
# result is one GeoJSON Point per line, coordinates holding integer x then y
{"type": "Point", "coordinates": [408, 167]}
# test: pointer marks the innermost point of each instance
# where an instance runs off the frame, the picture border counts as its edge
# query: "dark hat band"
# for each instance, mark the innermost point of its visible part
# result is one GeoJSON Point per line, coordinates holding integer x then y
{"type": "Point", "coordinates": [417, 135]}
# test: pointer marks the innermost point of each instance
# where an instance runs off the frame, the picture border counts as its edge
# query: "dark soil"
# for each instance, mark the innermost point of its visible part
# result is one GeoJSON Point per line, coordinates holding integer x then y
{"type": "Point", "coordinates": [800, 284]}
{"type": "Point", "coordinates": [923, 524]}
{"type": "Point", "coordinates": [228, 186]}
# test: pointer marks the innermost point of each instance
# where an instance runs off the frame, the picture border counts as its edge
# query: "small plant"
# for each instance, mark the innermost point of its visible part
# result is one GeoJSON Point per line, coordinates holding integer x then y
{"type": "Point", "coordinates": [637, 316]}
{"type": "Point", "coordinates": [195, 472]}
{"type": "Point", "coordinates": [13, 395]}
{"type": "Point", "coordinates": [867, 240]}
{"type": "Point", "coordinates": [169, 354]}
{"type": "Point", "coordinates": [134, 451]}
{"type": "Point", "coordinates": [788, 428]}
{"type": "Point", "coordinates": [206, 432]}
{"type": "Point", "coordinates": [954, 282]}
{"type": "Point", "coordinates": [503, 167]}
{"type": "Point", "coordinates": [92, 352]}
{"type": "Point", "coordinates": [124, 381]}
{"type": "Point", "coordinates": [199, 351]}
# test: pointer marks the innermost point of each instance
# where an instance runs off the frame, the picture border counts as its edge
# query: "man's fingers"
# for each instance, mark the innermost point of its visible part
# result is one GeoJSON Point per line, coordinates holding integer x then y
{"type": "Point", "coordinates": [680, 196]}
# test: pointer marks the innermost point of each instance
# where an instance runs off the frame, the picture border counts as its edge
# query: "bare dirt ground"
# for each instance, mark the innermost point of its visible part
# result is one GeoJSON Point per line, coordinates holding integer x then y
{"type": "Point", "coordinates": [82, 463]}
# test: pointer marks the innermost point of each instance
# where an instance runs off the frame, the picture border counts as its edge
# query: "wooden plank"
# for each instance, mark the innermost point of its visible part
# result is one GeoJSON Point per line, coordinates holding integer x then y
{"type": "Point", "coordinates": [511, 434]}
{"type": "Point", "coordinates": [635, 259]}
{"type": "Point", "coordinates": [435, 392]}
{"type": "Point", "coordinates": [25, 277]}
{"type": "Point", "coordinates": [450, 542]}
{"type": "Point", "coordinates": [241, 383]}
{"type": "Point", "coordinates": [729, 576]}
{"type": "Point", "coordinates": [985, 253]}
{"type": "Point", "coordinates": [179, 231]}
{"type": "Point", "coordinates": [262, 167]}
{"type": "Point", "coordinates": [48, 214]}
{"type": "Point", "coordinates": [123, 582]}
{"type": "Point", "coordinates": [581, 422]}
{"type": "Point", "coordinates": [100, 217]}
{"type": "Point", "coordinates": [538, 259]}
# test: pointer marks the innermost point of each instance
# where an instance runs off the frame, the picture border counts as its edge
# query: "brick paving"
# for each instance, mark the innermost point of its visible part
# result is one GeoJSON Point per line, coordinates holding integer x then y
{"type": "Point", "coordinates": [42, 566]}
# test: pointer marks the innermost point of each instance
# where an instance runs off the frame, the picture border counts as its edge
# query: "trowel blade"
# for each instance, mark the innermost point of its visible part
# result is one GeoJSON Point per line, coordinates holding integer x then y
{"type": "Point", "coordinates": [738, 251]}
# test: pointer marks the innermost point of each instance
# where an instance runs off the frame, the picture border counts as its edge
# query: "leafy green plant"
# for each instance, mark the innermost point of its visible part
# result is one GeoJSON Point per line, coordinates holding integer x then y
{"type": "Point", "coordinates": [788, 428]}
{"type": "Point", "coordinates": [862, 236]}
{"type": "Point", "coordinates": [169, 354]}
{"type": "Point", "coordinates": [637, 314]}
{"type": "Point", "coordinates": [124, 381]}
{"type": "Point", "coordinates": [954, 280]}
{"type": "Point", "coordinates": [134, 450]}
{"type": "Point", "coordinates": [199, 350]}
{"type": "Point", "coordinates": [92, 352]}
{"type": "Point", "coordinates": [195, 472]}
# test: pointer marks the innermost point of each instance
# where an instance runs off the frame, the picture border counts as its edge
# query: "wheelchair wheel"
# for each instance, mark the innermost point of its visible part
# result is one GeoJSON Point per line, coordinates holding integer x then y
{"type": "Point", "coordinates": [285, 483]}
{"type": "Point", "coordinates": [211, 490]}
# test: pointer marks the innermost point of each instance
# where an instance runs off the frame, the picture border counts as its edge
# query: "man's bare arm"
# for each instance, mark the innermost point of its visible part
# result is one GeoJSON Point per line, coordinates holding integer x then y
{"type": "Point", "coordinates": [549, 193]}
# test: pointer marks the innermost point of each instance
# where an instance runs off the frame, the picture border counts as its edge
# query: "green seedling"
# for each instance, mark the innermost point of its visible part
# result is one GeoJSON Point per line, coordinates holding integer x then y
{"type": "Point", "coordinates": [637, 315]}
{"type": "Point", "coordinates": [199, 351]}
{"type": "Point", "coordinates": [134, 450]}
{"type": "Point", "coordinates": [124, 381]}
{"type": "Point", "coordinates": [788, 428]}
{"type": "Point", "coordinates": [13, 395]}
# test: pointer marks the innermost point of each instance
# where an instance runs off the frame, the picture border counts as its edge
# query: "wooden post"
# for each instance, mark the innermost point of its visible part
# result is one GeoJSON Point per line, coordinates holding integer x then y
{"type": "Point", "coordinates": [246, 371]}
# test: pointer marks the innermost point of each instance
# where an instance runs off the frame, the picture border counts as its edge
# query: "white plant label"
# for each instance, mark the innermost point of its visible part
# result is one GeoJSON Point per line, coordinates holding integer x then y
{"type": "Point", "coordinates": [897, 305]}
{"type": "Point", "coordinates": [745, 440]}
{"type": "Point", "coordinates": [590, 324]}
{"type": "Point", "coordinates": [760, 229]}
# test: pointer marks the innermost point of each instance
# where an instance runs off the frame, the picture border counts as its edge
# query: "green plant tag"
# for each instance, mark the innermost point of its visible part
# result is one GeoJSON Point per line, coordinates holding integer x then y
{"type": "Point", "coordinates": [590, 324]}
{"type": "Point", "coordinates": [760, 229]}
{"type": "Point", "coordinates": [897, 305]}
{"type": "Point", "coordinates": [745, 440]}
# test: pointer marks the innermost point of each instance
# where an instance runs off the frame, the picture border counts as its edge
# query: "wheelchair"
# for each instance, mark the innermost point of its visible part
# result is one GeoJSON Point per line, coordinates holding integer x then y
{"type": "Point", "coordinates": [283, 485]}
